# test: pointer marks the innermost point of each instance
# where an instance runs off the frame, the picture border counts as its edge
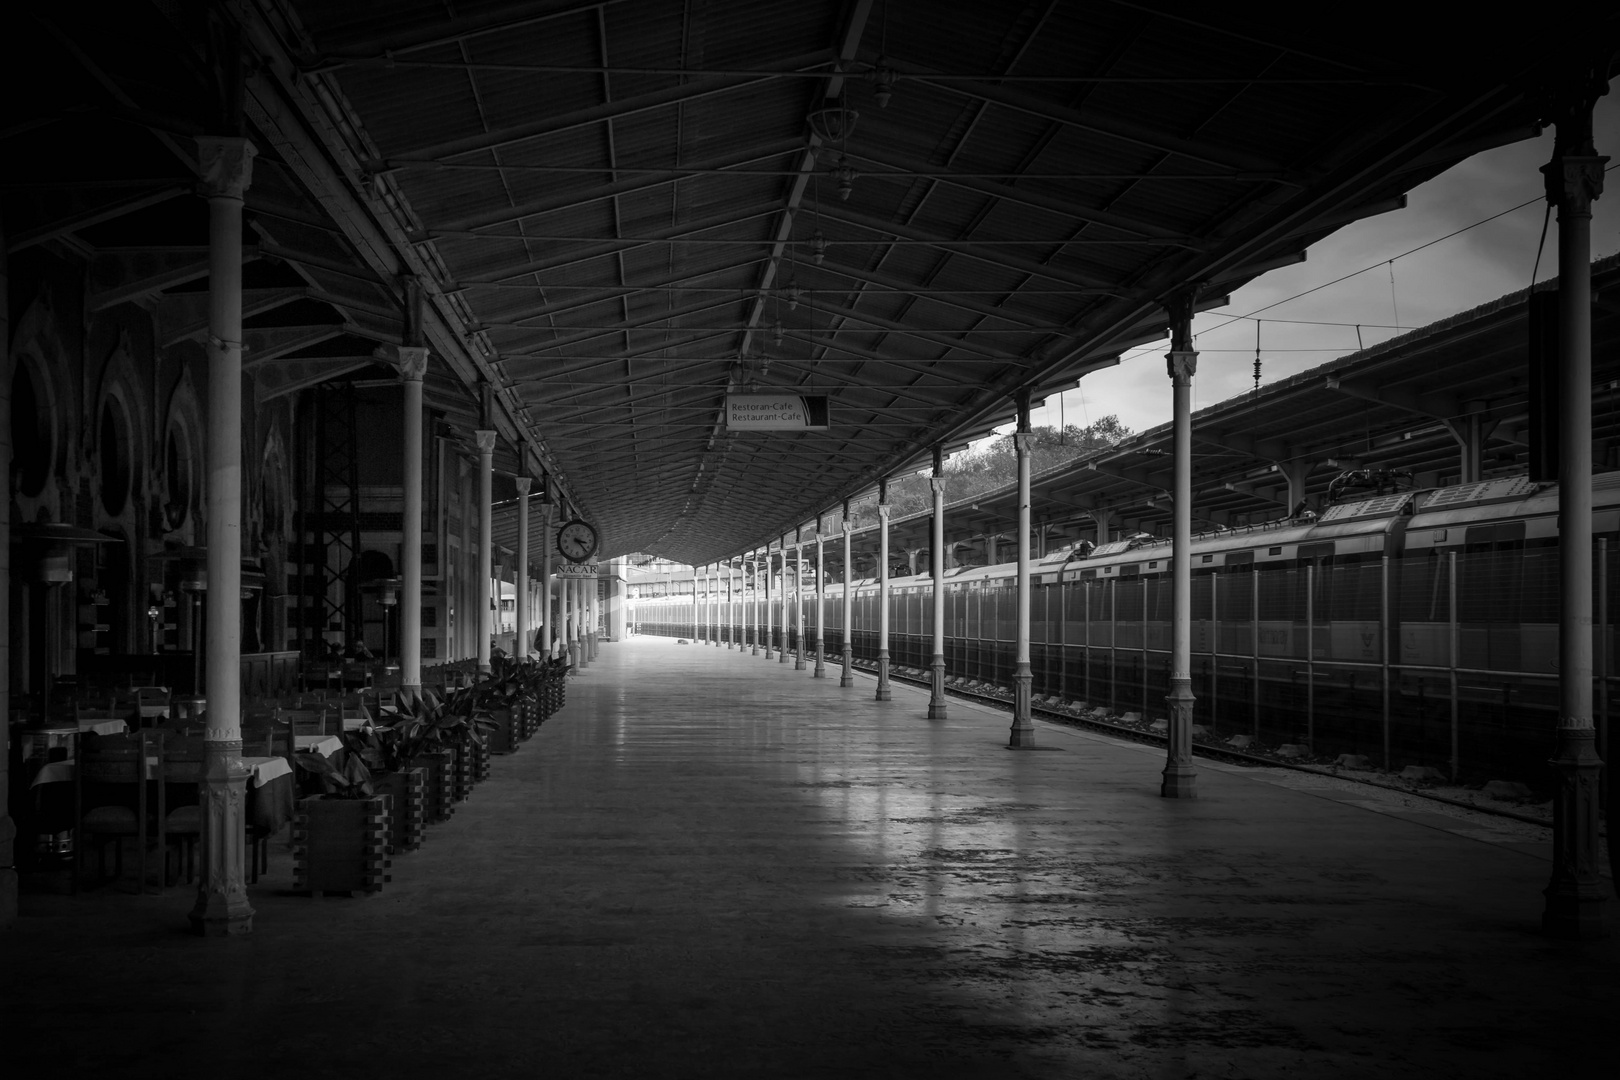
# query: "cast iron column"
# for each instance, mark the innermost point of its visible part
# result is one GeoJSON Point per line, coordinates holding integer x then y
{"type": "Point", "coordinates": [8, 828]}
{"type": "Point", "coordinates": [521, 645]}
{"type": "Point", "coordinates": [1180, 778]}
{"type": "Point", "coordinates": [571, 606]}
{"type": "Point", "coordinates": [751, 601]}
{"type": "Point", "coordinates": [486, 542]}
{"type": "Point", "coordinates": [798, 599]}
{"type": "Point", "coordinates": [846, 677]}
{"type": "Point", "coordinates": [884, 691]}
{"type": "Point", "coordinates": [768, 572]}
{"type": "Point", "coordinates": [1023, 725]}
{"type": "Point", "coordinates": [820, 671]}
{"type": "Point", "coordinates": [936, 556]}
{"type": "Point", "coordinates": [783, 654]}
{"type": "Point", "coordinates": [547, 630]}
{"type": "Point", "coordinates": [413, 360]}
{"type": "Point", "coordinates": [1575, 894]}
{"type": "Point", "coordinates": [226, 166]}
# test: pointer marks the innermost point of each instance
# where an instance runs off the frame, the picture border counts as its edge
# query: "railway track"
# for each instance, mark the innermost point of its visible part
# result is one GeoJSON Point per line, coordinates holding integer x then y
{"type": "Point", "coordinates": [1205, 750]}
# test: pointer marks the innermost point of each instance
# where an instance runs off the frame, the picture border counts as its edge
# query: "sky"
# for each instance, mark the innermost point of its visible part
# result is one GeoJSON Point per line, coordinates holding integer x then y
{"type": "Point", "coordinates": [1454, 275]}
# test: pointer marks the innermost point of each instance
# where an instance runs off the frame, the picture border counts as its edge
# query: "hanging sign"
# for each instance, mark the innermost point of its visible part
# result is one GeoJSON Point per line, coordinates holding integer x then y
{"type": "Point", "coordinates": [576, 570]}
{"type": "Point", "coordinates": [776, 412]}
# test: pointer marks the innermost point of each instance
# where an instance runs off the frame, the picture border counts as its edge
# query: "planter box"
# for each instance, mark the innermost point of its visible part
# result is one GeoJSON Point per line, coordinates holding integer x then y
{"type": "Point", "coordinates": [439, 788]}
{"type": "Point", "coordinates": [339, 845]}
{"type": "Point", "coordinates": [408, 808]}
{"type": "Point", "coordinates": [504, 738]}
{"type": "Point", "coordinates": [465, 771]}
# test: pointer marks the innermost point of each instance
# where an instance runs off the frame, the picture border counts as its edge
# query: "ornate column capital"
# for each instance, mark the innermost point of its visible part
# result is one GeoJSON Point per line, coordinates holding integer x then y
{"type": "Point", "coordinates": [1023, 442]}
{"type": "Point", "coordinates": [883, 511]}
{"type": "Point", "coordinates": [848, 528]}
{"type": "Point", "coordinates": [1574, 182]}
{"type": "Point", "coordinates": [485, 441]}
{"type": "Point", "coordinates": [412, 361]}
{"type": "Point", "coordinates": [1181, 364]}
{"type": "Point", "coordinates": [522, 483]}
{"type": "Point", "coordinates": [225, 165]}
{"type": "Point", "coordinates": [936, 484]}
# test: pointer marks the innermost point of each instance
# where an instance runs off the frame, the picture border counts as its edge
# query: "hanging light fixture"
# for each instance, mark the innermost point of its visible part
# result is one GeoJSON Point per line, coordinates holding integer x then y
{"type": "Point", "coordinates": [883, 80]}
{"type": "Point", "coordinates": [845, 175]}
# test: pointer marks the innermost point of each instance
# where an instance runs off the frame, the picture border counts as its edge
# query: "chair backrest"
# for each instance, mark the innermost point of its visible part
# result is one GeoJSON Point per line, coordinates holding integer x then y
{"type": "Point", "coordinates": [101, 708]}
{"type": "Point", "coordinates": [305, 721]}
{"type": "Point", "coordinates": [112, 759]}
{"type": "Point", "coordinates": [182, 758]}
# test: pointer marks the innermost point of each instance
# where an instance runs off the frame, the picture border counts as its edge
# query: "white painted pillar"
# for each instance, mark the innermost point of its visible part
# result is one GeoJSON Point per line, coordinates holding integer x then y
{"type": "Point", "coordinates": [884, 691]}
{"type": "Point", "coordinates": [1022, 734]}
{"type": "Point", "coordinates": [847, 676]}
{"type": "Point", "coordinates": [547, 619]}
{"type": "Point", "coordinates": [486, 543]}
{"type": "Point", "coordinates": [226, 166]}
{"type": "Point", "coordinates": [768, 573]}
{"type": "Point", "coordinates": [521, 642]}
{"type": "Point", "coordinates": [936, 558]}
{"type": "Point", "coordinates": [820, 671]}
{"type": "Point", "coordinates": [1576, 894]}
{"type": "Point", "coordinates": [413, 362]}
{"type": "Point", "coordinates": [798, 599]}
{"type": "Point", "coordinates": [784, 653]}
{"type": "Point", "coordinates": [751, 593]}
{"type": "Point", "coordinates": [8, 828]}
{"type": "Point", "coordinates": [1180, 777]}
{"type": "Point", "coordinates": [571, 619]}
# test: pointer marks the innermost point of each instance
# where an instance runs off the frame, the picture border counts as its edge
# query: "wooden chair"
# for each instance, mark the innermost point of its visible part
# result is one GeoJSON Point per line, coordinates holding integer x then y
{"type": "Point", "coordinates": [110, 798]}
{"type": "Point", "coordinates": [180, 776]}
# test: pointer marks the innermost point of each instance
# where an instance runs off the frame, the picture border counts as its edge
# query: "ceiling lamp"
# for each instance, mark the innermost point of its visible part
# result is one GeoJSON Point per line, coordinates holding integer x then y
{"type": "Point", "coordinates": [883, 80]}
{"type": "Point", "coordinates": [845, 176]}
{"type": "Point", "coordinates": [833, 123]}
{"type": "Point", "coordinates": [818, 248]}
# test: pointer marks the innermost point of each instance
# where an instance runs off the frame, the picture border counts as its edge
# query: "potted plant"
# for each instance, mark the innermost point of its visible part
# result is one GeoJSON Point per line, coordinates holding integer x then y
{"type": "Point", "coordinates": [505, 695]}
{"type": "Point", "coordinates": [392, 774]}
{"type": "Point", "coordinates": [340, 836]}
{"type": "Point", "coordinates": [427, 732]}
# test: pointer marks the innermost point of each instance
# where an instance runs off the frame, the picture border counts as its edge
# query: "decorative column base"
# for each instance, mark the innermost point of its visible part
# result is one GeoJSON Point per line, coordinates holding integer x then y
{"type": "Point", "coordinates": [1575, 894]}
{"type": "Point", "coordinates": [820, 670]}
{"type": "Point", "coordinates": [1022, 734]}
{"type": "Point", "coordinates": [222, 907]}
{"type": "Point", "coordinates": [784, 654]}
{"type": "Point", "coordinates": [573, 656]}
{"type": "Point", "coordinates": [1180, 778]}
{"type": "Point", "coordinates": [846, 677]}
{"type": "Point", "coordinates": [936, 689]}
{"type": "Point", "coordinates": [754, 651]}
{"type": "Point", "coordinates": [884, 691]}
{"type": "Point", "coordinates": [798, 659]}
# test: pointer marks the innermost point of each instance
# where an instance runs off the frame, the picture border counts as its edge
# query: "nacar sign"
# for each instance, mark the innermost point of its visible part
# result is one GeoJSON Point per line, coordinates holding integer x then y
{"type": "Point", "coordinates": [776, 412]}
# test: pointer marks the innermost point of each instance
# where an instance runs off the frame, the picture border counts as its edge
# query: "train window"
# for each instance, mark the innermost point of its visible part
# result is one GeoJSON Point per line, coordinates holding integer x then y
{"type": "Point", "coordinates": [1239, 560]}
{"type": "Point", "coordinates": [1315, 551]}
{"type": "Point", "coordinates": [1274, 551]}
{"type": "Point", "coordinates": [1208, 558]}
{"type": "Point", "coordinates": [1088, 575]}
{"type": "Point", "coordinates": [1153, 565]}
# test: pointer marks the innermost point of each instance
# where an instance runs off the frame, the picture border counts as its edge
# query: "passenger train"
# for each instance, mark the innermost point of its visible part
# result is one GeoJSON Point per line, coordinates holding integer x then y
{"type": "Point", "coordinates": [1417, 627]}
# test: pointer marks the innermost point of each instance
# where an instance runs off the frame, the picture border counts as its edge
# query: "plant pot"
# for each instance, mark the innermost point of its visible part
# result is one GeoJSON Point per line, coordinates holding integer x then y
{"type": "Point", "coordinates": [439, 789]}
{"type": "Point", "coordinates": [503, 739]}
{"type": "Point", "coordinates": [339, 845]}
{"type": "Point", "coordinates": [408, 808]}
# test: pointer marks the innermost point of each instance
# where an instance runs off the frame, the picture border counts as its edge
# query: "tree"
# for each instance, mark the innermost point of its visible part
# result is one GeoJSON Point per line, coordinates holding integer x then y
{"type": "Point", "coordinates": [994, 465]}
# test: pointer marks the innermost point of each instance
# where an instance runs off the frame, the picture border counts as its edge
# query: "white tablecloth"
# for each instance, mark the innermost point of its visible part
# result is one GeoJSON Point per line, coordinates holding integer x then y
{"type": "Point", "coordinates": [324, 745]}
{"type": "Point", "coordinates": [266, 769]}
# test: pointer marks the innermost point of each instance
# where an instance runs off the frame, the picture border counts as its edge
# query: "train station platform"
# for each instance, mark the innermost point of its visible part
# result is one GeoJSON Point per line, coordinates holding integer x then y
{"type": "Point", "coordinates": [713, 865]}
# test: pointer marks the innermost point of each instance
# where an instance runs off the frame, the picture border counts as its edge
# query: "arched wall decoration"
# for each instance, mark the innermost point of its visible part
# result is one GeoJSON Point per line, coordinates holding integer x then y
{"type": "Point", "coordinates": [181, 490]}
{"type": "Point", "coordinates": [119, 438]}
{"type": "Point", "coordinates": [36, 347]}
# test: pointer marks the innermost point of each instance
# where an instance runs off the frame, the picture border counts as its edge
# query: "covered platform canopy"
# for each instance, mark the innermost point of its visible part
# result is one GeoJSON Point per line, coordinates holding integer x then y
{"type": "Point", "coordinates": [618, 212]}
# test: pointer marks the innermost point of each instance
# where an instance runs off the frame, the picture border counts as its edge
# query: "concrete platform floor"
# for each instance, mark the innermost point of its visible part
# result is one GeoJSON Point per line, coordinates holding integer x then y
{"type": "Point", "coordinates": [711, 865]}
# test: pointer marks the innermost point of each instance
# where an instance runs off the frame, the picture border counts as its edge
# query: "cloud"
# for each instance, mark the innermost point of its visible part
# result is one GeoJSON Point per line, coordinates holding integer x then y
{"type": "Point", "coordinates": [1456, 274]}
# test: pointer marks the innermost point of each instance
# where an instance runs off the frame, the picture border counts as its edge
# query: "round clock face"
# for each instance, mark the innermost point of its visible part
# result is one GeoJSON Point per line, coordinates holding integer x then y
{"type": "Point", "coordinates": [576, 540]}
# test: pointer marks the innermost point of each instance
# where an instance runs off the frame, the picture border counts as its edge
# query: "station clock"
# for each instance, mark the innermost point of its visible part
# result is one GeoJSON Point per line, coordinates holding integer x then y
{"type": "Point", "coordinates": [576, 540]}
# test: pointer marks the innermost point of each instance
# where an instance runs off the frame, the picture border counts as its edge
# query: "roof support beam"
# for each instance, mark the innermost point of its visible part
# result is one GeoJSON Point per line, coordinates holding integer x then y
{"type": "Point", "coordinates": [584, 195]}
